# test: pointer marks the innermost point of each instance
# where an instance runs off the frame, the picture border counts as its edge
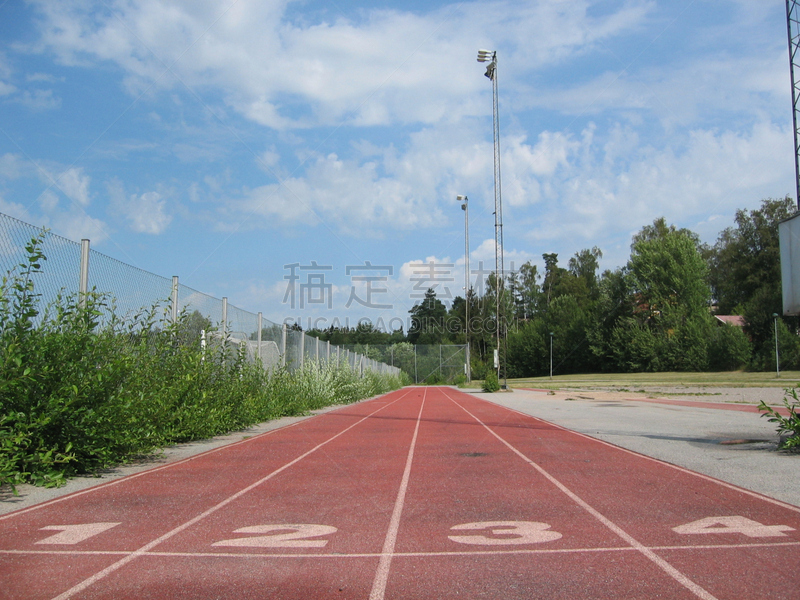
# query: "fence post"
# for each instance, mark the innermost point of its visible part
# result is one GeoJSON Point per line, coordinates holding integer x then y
{"type": "Point", "coordinates": [416, 379]}
{"type": "Point", "coordinates": [283, 345]}
{"type": "Point", "coordinates": [260, 319]}
{"type": "Point", "coordinates": [224, 318]}
{"type": "Point", "coordinates": [316, 349]}
{"type": "Point", "coordinates": [83, 283]}
{"type": "Point", "coordinates": [174, 299]}
{"type": "Point", "coordinates": [328, 352]}
{"type": "Point", "coordinates": [302, 348]}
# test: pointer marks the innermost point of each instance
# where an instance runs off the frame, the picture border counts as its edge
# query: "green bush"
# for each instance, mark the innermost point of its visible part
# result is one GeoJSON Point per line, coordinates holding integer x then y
{"type": "Point", "coordinates": [77, 394]}
{"type": "Point", "coordinates": [491, 383]}
{"type": "Point", "coordinates": [789, 426]}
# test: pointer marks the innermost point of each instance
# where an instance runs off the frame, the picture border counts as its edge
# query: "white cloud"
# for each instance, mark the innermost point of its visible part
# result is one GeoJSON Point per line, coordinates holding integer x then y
{"type": "Point", "coordinates": [75, 185]}
{"type": "Point", "coordinates": [352, 197]}
{"type": "Point", "coordinates": [39, 99]}
{"type": "Point", "coordinates": [14, 209]}
{"type": "Point", "coordinates": [603, 197]}
{"type": "Point", "coordinates": [12, 166]}
{"type": "Point", "coordinates": [373, 68]}
{"type": "Point", "coordinates": [145, 213]}
{"type": "Point", "coordinates": [76, 225]}
{"type": "Point", "coordinates": [6, 88]}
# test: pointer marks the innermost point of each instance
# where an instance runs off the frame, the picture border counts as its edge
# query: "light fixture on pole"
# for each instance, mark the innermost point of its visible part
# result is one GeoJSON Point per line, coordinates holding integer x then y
{"type": "Point", "coordinates": [777, 358]}
{"type": "Point", "coordinates": [490, 56]}
{"type": "Point", "coordinates": [465, 208]}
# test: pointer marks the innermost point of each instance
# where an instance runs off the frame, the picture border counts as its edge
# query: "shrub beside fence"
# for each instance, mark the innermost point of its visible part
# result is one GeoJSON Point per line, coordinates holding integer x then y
{"type": "Point", "coordinates": [88, 379]}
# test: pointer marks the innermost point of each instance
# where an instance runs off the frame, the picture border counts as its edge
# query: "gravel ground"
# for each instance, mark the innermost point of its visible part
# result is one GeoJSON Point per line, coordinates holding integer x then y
{"type": "Point", "coordinates": [738, 395]}
{"type": "Point", "coordinates": [734, 446]}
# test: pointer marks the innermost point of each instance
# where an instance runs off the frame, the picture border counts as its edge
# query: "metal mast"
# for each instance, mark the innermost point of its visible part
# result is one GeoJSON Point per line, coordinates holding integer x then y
{"type": "Point", "coordinates": [793, 30]}
{"type": "Point", "coordinates": [465, 208]}
{"type": "Point", "coordinates": [491, 73]}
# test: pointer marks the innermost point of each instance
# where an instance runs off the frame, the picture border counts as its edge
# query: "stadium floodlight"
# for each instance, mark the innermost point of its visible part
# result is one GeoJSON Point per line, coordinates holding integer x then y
{"type": "Point", "coordinates": [486, 56]}
{"type": "Point", "coordinates": [465, 208]}
{"type": "Point", "coordinates": [499, 275]}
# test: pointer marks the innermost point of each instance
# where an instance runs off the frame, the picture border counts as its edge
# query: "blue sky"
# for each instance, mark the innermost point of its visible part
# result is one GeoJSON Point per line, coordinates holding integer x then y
{"type": "Point", "coordinates": [224, 140]}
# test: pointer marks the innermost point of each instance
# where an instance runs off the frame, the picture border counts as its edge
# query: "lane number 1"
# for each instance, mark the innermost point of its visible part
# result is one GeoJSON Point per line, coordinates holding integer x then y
{"type": "Point", "coordinates": [74, 534]}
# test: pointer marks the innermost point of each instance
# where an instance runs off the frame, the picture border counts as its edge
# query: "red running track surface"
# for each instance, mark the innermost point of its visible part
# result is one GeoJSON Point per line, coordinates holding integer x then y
{"type": "Point", "coordinates": [421, 493]}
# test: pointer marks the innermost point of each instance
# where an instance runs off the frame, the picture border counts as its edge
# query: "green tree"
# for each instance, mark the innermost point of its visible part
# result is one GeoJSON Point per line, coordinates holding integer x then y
{"type": "Point", "coordinates": [667, 324]}
{"type": "Point", "coordinates": [529, 291]}
{"type": "Point", "coordinates": [745, 277]}
{"type": "Point", "coordinates": [553, 274]}
{"type": "Point", "coordinates": [583, 267]}
{"type": "Point", "coordinates": [428, 320]}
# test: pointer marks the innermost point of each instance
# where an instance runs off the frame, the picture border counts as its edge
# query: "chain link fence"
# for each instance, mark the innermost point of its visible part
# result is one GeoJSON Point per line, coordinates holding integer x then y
{"type": "Point", "coordinates": [72, 269]}
{"type": "Point", "coordinates": [433, 363]}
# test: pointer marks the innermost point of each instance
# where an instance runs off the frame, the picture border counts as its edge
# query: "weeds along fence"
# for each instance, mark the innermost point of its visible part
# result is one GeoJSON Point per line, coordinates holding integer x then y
{"type": "Point", "coordinates": [74, 269]}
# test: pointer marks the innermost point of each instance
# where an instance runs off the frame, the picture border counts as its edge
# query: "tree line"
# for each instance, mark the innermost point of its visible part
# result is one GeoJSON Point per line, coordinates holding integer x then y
{"type": "Point", "coordinates": [655, 313]}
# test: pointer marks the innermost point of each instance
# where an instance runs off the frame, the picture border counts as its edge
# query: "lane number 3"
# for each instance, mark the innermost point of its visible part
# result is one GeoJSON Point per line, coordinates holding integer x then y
{"type": "Point", "coordinates": [505, 533]}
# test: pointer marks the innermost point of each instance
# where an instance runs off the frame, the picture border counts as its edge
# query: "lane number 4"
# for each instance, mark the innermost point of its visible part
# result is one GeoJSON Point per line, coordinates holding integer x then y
{"type": "Point", "coordinates": [742, 525]}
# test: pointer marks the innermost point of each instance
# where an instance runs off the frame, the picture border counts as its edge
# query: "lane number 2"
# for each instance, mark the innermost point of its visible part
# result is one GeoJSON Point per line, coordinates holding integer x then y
{"type": "Point", "coordinates": [505, 533]}
{"type": "Point", "coordinates": [281, 536]}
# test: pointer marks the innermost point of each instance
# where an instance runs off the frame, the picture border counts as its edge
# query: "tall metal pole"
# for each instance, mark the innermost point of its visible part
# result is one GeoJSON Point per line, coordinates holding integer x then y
{"type": "Point", "coordinates": [777, 358]}
{"type": "Point", "coordinates": [793, 31]}
{"type": "Point", "coordinates": [465, 208]}
{"type": "Point", "coordinates": [491, 73]}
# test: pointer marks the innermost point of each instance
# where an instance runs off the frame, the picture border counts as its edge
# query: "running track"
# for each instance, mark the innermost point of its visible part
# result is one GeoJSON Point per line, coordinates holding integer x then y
{"type": "Point", "coordinates": [422, 493]}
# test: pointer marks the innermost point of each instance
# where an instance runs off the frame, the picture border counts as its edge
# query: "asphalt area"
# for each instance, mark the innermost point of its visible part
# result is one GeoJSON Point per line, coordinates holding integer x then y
{"type": "Point", "coordinates": [421, 493]}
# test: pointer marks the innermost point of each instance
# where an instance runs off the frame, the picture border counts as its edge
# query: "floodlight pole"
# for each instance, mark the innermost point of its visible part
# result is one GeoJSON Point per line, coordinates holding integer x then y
{"type": "Point", "coordinates": [793, 30]}
{"type": "Point", "coordinates": [465, 208]}
{"type": "Point", "coordinates": [491, 73]}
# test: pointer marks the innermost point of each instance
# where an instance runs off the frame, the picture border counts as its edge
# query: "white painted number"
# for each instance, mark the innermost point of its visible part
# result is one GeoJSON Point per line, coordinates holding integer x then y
{"type": "Point", "coordinates": [741, 525]}
{"type": "Point", "coordinates": [74, 534]}
{"type": "Point", "coordinates": [296, 536]}
{"type": "Point", "coordinates": [506, 532]}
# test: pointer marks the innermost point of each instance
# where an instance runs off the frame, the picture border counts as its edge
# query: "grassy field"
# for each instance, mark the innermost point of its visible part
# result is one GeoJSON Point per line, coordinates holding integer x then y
{"type": "Point", "coordinates": [628, 380]}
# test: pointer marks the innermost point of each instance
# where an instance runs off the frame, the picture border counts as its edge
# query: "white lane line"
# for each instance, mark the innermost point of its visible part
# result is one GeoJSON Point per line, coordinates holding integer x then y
{"type": "Point", "coordinates": [382, 574]}
{"type": "Point", "coordinates": [731, 486]}
{"type": "Point", "coordinates": [147, 547]}
{"type": "Point", "coordinates": [433, 553]}
{"type": "Point", "coordinates": [645, 551]}
{"type": "Point", "coordinates": [127, 478]}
